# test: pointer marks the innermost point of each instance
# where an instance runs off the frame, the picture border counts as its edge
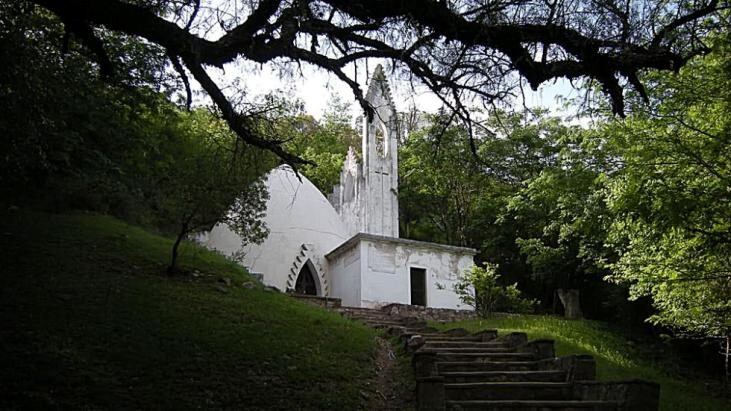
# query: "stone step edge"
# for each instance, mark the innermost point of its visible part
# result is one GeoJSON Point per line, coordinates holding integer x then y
{"type": "Point", "coordinates": [510, 384]}
{"type": "Point", "coordinates": [493, 373]}
{"type": "Point", "coordinates": [487, 354]}
{"type": "Point", "coordinates": [536, 403]}
{"type": "Point", "coordinates": [471, 350]}
{"type": "Point", "coordinates": [470, 363]}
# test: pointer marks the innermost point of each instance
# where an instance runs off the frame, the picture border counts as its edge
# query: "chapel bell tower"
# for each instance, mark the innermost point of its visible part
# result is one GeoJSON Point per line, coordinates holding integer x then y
{"type": "Point", "coordinates": [380, 159]}
{"type": "Point", "coordinates": [367, 196]}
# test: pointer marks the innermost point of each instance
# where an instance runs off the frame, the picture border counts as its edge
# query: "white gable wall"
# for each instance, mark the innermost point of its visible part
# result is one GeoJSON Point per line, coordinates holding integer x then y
{"type": "Point", "coordinates": [387, 277]}
{"type": "Point", "coordinates": [345, 274]}
{"type": "Point", "coordinates": [385, 265]}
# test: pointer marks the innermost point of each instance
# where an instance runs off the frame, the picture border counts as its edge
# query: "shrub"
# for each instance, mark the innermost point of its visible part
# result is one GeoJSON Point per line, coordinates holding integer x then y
{"type": "Point", "coordinates": [479, 288]}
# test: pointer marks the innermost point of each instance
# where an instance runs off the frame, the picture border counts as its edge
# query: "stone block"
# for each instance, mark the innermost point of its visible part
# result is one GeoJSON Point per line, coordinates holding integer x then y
{"type": "Point", "coordinates": [633, 395]}
{"type": "Point", "coordinates": [514, 339]}
{"type": "Point", "coordinates": [486, 335]}
{"type": "Point", "coordinates": [396, 330]}
{"type": "Point", "coordinates": [430, 395]}
{"type": "Point", "coordinates": [425, 364]}
{"type": "Point", "coordinates": [641, 395]}
{"type": "Point", "coordinates": [414, 343]}
{"type": "Point", "coordinates": [584, 368]}
{"type": "Point", "coordinates": [542, 349]}
{"type": "Point", "coordinates": [457, 332]}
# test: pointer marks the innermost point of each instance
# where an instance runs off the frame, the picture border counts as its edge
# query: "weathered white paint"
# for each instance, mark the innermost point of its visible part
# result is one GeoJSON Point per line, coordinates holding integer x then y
{"type": "Point", "coordinates": [385, 264]}
{"type": "Point", "coordinates": [346, 272]}
{"type": "Point", "coordinates": [351, 240]}
{"type": "Point", "coordinates": [297, 214]}
{"type": "Point", "coordinates": [367, 196]}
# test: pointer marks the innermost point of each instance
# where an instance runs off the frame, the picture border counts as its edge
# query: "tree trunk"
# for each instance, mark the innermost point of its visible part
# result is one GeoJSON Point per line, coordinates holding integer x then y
{"type": "Point", "coordinates": [728, 353]}
{"type": "Point", "coordinates": [174, 258]}
{"type": "Point", "coordinates": [571, 303]}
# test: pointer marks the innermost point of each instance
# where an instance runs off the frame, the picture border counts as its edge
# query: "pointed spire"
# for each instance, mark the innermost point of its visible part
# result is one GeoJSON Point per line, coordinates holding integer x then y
{"type": "Point", "coordinates": [351, 159]}
{"type": "Point", "coordinates": [378, 74]}
{"type": "Point", "coordinates": [379, 85]}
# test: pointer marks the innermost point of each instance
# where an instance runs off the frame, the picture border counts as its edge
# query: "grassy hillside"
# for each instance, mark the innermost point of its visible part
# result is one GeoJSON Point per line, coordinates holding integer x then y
{"type": "Point", "coordinates": [616, 358]}
{"type": "Point", "coordinates": [90, 320]}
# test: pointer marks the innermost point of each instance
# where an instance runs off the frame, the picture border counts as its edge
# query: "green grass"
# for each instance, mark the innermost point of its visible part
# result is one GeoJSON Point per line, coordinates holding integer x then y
{"type": "Point", "coordinates": [90, 321]}
{"type": "Point", "coordinates": [615, 356]}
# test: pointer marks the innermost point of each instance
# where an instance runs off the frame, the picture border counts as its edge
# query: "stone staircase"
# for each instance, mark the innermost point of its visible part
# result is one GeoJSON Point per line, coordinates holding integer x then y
{"type": "Point", "coordinates": [458, 370]}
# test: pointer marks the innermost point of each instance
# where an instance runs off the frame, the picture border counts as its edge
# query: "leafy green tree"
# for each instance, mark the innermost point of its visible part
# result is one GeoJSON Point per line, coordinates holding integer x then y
{"type": "Point", "coordinates": [72, 141]}
{"type": "Point", "coordinates": [439, 184]}
{"type": "Point", "coordinates": [671, 197]}
{"type": "Point", "coordinates": [66, 132]}
{"type": "Point", "coordinates": [565, 208]}
{"type": "Point", "coordinates": [324, 143]}
{"type": "Point", "coordinates": [478, 287]}
{"type": "Point", "coordinates": [485, 193]}
{"type": "Point", "coordinates": [205, 176]}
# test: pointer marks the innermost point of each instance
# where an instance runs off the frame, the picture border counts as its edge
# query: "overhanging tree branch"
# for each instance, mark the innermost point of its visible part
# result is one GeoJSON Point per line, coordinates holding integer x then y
{"type": "Point", "coordinates": [456, 48]}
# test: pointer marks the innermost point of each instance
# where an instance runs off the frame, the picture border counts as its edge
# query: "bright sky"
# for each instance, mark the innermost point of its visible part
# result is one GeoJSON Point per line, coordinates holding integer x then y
{"type": "Point", "coordinates": [315, 87]}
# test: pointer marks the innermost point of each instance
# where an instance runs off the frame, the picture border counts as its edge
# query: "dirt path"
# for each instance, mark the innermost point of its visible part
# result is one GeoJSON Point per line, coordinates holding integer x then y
{"type": "Point", "coordinates": [392, 388]}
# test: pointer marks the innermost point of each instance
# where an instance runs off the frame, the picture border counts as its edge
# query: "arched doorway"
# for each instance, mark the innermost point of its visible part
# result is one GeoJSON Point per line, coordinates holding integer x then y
{"type": "Point", "coordinates": [306, 280]}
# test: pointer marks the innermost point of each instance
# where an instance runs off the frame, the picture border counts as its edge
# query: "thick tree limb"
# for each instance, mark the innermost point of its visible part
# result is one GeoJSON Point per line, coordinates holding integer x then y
{"type": "Point", "coordinates": [455, 48]}
{"type": "Point", "coordinates": [174, 60]}
{"type": "Point", "coordinates": [241, 125]}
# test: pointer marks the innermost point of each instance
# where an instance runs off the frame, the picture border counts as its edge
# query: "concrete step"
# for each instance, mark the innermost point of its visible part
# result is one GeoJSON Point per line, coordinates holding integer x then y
{"type": "Point", "coordinates": [528, 405]}
{"type": "Point", "coordinates": [435, 337]}
{"type": "Point", "coordinates": [375, 319]}
{"type": "Point", "coordinates": [382, 322]}
{"type": "Point", "coordinates": [465, 344]}
{"type": "Point", "coordinates": [360, 309]}
{"type": "Point", "coordinates": [368, 318]}
{"type": "Point", "coordinates": [509, 391]}
{"type": "Point", "coordinates": [484, 356]}
{"type": "Point", "coordinates": [504, 376]}
{"type": "Point", "coordinates": [365, 313]}
{"type": "Point", "coordinates": [471, 366]}
{"type": "Point", "coordinates": [475, 350]}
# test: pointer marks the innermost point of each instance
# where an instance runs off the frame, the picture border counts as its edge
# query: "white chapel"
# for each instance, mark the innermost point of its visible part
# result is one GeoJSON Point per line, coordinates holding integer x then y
{"type": "Point", "coordinates": [347, 245]}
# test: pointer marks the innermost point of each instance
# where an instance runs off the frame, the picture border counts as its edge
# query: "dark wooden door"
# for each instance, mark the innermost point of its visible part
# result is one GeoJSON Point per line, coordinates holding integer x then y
{"type": "Point", "coordinates": [418, 286]}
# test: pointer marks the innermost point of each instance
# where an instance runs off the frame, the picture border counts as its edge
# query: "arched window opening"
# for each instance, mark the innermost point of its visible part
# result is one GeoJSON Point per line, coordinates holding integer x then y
{"type": "Point", "coordinates": [381, 147]}
{"type": "Point", "coordinates": [349, 188]}
{"type": "Point", "coordinates": [306, 281]}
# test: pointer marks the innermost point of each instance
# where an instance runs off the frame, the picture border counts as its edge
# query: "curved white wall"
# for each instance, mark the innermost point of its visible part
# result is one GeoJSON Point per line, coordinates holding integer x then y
{"type": "Point", "coordinates": [297, 214]}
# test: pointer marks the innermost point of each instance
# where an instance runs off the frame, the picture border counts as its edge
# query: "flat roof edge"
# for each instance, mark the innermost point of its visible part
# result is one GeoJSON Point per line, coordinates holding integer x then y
{"type": "Point", "coordinates": [385, 239]}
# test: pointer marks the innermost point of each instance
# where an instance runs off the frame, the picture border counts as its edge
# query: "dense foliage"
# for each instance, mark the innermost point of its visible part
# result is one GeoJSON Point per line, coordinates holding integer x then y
{"type": "Point", "coordinates": [632, 208]}
{"type": "Point", "coordinates": [486, 194]}
{"type": "Point", "coordinates": [323, 142]}
{"type": "Point", "coordinates": [479, 288]}
{"type": "Point", "coordinates": [671, 197]}
{"type": "Point", "coordinates": [73, 141]}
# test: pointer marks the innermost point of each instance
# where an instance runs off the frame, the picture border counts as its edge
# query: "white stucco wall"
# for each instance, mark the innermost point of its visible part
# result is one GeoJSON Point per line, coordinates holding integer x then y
{"type": "Point", "coordinates": [345, 276]}
{"type": "Point", "coordinates": [385, 265]}
{"type": "Point", "coordinates": [297, 214]}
